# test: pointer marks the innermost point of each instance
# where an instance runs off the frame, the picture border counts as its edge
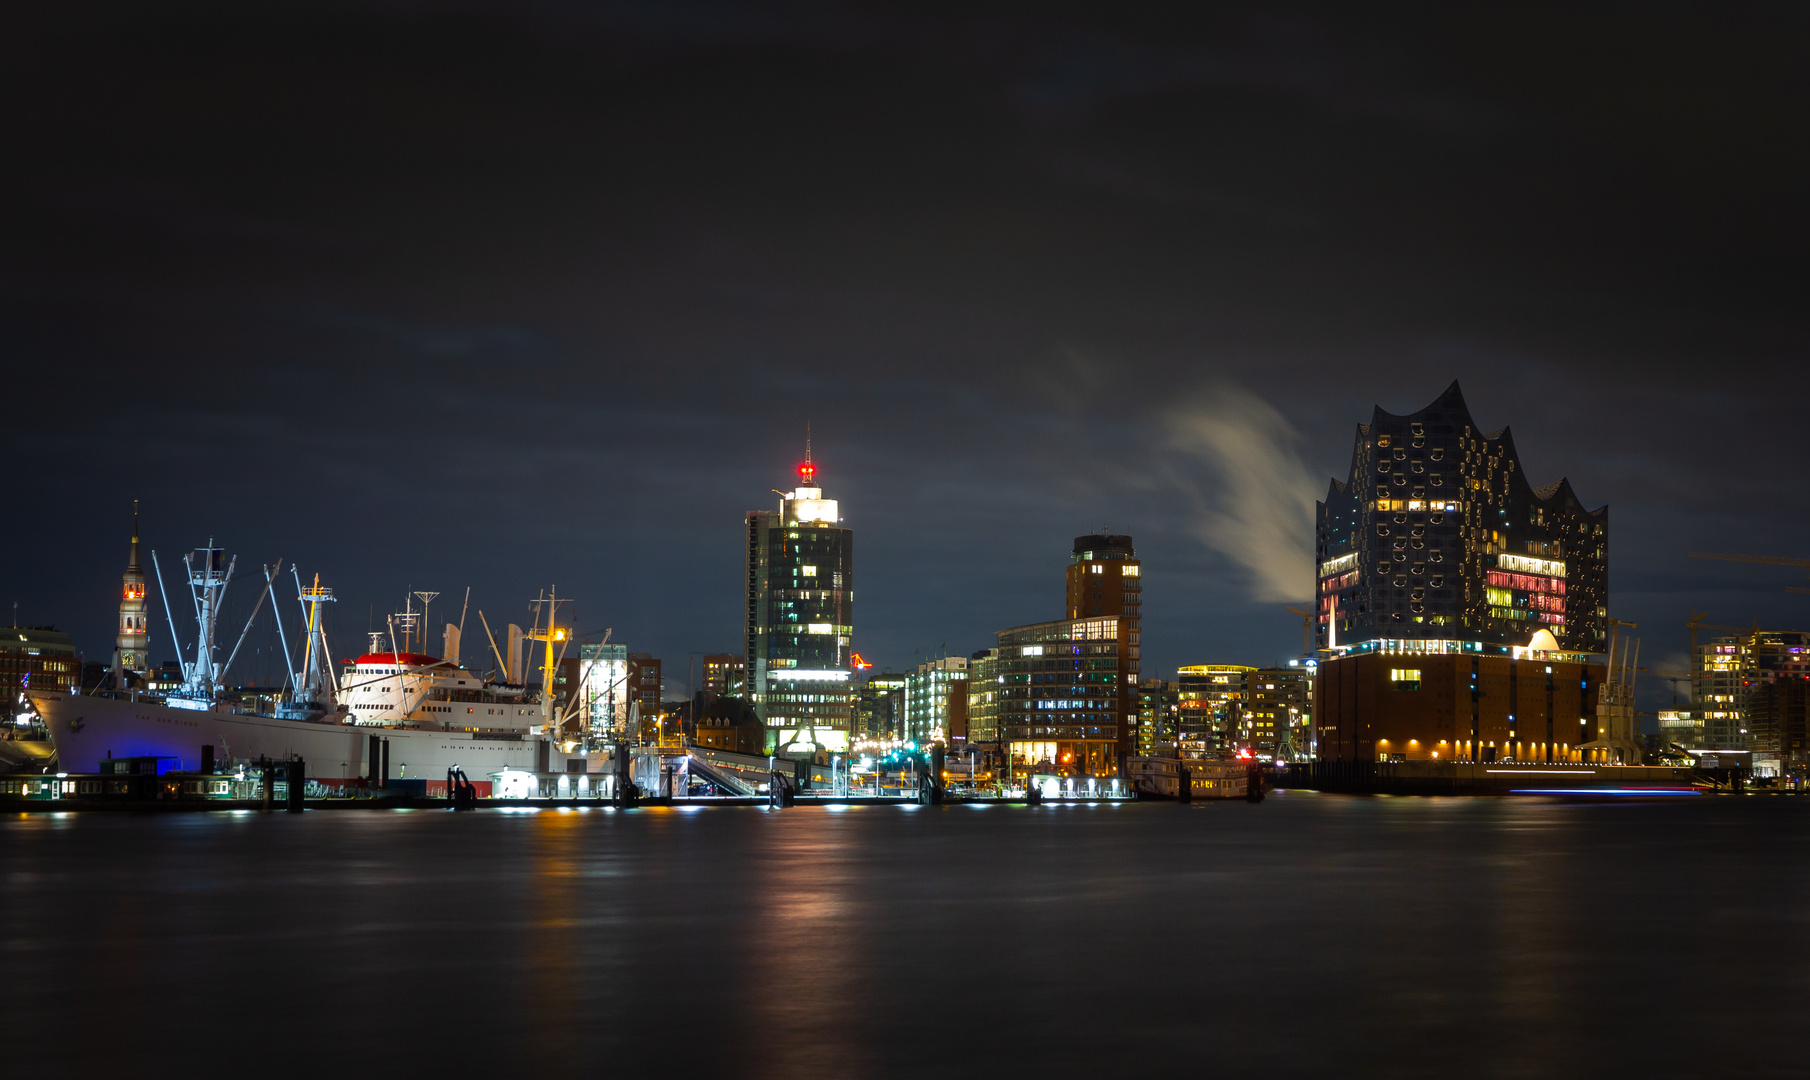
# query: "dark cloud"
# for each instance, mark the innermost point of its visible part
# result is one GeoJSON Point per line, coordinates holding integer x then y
{"type": "Point", "coordinates": [437, 295]}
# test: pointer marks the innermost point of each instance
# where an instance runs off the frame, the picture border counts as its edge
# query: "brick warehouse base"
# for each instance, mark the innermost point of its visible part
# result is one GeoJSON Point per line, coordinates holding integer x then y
{"type": "Point", "coordinates": [1458, 706]}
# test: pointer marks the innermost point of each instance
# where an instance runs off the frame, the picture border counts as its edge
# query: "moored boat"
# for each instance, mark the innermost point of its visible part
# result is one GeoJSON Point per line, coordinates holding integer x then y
{"type": "Point", "coordinates": [383, 716]}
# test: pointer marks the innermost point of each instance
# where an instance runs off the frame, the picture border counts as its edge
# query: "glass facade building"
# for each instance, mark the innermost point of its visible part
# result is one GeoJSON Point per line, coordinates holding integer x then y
{"type": "Point", "coordinates": [936, 702]}
{"type": "Point", "coordinates": [1065, 694]}
{"type": "Point", "coordinates": [1460, 602]}
{"type": "Point", "coordinates": [800, 620]}
{"type": "Point", "coordinates": [1062, 694]}
{"type": "Point", "coordinates": [1437, 539]}
{"type": "Point", "coordinates": [603, 682]}
{"type": "Point", "coordinates": [983, 698]}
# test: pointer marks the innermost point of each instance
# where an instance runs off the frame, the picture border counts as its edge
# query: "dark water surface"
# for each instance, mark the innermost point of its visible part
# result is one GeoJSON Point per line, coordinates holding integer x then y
{"type": "Point", "coordinates": [1310, 935]}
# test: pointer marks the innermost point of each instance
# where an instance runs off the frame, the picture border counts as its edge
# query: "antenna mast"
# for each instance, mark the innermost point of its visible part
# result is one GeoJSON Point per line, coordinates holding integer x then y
{"type": "Point", "coordinates": [427, 598]}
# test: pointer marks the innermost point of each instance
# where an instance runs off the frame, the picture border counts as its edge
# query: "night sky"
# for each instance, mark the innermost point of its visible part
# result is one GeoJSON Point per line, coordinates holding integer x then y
{"type": "Point", "coordinates": [436, 296]}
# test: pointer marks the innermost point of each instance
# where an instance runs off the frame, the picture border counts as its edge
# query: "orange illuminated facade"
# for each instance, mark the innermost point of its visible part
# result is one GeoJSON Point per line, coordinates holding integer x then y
{"type": "Point", "coordinates": [1459, 706]}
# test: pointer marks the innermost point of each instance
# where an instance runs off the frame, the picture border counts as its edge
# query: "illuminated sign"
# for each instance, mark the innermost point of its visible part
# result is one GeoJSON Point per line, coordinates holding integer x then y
{"type": "Point", "coordinates": [802, 510]}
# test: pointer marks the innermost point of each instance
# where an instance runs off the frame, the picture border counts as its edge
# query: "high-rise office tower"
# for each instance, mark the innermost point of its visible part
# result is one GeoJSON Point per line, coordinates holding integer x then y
{"type": "Point", "coordinates": [1067, 691]}
{"type": "Point", "coordinates": [134, 631]}
{"type": "Point", "coordinates": [800, 619]}
{"type": "Point", "coordinates": [1105, 578]}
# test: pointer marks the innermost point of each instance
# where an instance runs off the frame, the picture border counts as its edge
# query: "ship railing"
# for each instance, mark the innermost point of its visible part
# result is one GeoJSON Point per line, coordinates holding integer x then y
{"type": "Point", "coordinates": [125, 695]}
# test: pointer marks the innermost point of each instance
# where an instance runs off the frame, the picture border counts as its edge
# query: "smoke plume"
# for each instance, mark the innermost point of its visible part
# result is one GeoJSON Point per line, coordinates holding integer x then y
{"type": "Point", "coordinates": [1255, 495]}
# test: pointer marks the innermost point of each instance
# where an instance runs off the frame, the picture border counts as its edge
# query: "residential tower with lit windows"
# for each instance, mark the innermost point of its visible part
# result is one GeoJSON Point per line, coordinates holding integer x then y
{"type": "Point", "coordinates": [1209, 705]}
{"type": "Point", "coordinates": [800, 619]}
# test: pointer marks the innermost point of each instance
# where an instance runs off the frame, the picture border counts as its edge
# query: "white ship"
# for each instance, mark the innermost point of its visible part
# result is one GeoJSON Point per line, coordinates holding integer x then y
{"type": "Point", "coordinates": [1205, 778]}
{"type": "Point", "coordinates": [385, 716]}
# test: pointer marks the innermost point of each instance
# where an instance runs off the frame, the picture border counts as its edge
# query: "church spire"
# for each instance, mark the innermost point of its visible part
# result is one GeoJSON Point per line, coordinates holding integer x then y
{"type": "Point", "coordinates": [132, 561]}
{"type": "Point", "coordinates": [132, 653]}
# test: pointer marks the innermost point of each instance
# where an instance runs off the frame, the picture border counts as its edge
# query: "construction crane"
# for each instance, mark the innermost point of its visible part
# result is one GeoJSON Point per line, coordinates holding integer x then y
{"type": "Point", "coordinates": [1747, 631]}
{"type": "Point", "coordinates": [1307, 630]}
{"type": "Point", "coordinates": [1691, 622]}
{"type": "Point", "coordinates": [1764, 560]}
{"type": "Point", "coordinates": [1674, 677]}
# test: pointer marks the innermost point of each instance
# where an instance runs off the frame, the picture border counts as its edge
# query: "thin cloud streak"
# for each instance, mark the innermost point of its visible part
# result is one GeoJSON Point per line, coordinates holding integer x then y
{"type": "Point", "coordinates": [1255, 502]}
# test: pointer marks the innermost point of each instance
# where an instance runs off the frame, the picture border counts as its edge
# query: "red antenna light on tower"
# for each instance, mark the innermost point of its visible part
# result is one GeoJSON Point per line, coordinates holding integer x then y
{"type": "Point", "coordinates": [807, 473]}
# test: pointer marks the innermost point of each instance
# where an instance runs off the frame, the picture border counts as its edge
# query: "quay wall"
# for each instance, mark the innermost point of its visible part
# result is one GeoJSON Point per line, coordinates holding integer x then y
{"type": "Point", "coordinates": [1475, 778]}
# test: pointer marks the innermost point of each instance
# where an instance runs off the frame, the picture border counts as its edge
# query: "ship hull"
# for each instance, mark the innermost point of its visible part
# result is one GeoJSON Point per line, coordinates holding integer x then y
{"type": "Point", "coordinates": [89, 730]}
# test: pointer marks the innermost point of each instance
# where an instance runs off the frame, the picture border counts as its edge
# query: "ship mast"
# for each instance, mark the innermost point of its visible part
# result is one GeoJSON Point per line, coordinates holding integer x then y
{"type": "Point", "coordinates": [554, 632]}
{"type": "Point", "coordinates": [207, 582]}
{"type": "Point", "coordinates": [317, 669]}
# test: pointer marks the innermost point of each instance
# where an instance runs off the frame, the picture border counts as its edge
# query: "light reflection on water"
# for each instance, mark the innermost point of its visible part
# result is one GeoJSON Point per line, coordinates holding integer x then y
{"type": "Point", "coordinates": [1308, 935]}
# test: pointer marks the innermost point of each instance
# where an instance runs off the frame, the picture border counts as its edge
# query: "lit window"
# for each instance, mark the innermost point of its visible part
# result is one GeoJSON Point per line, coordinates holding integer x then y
{"type": "Point", "coordinates": [808, 571]}
{"type": "Point", "coordinates": [1132, 571]}
{"type": "Point", "coordinates": [1098, 569]}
